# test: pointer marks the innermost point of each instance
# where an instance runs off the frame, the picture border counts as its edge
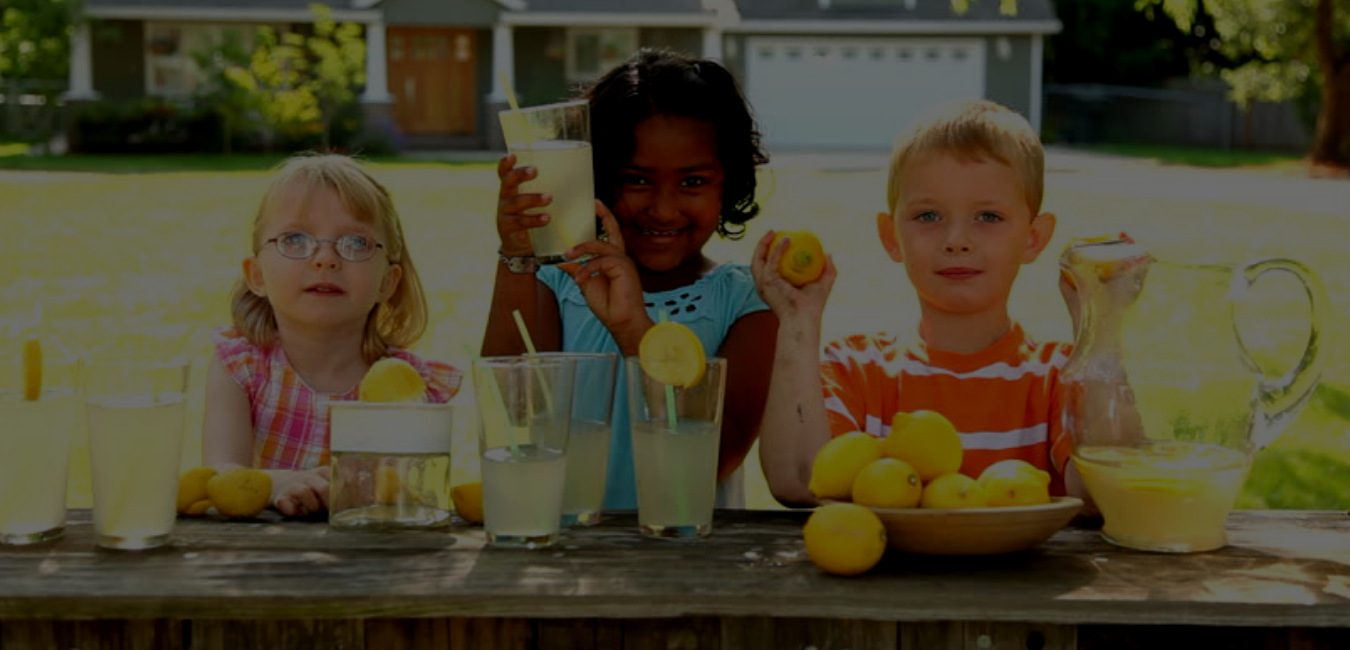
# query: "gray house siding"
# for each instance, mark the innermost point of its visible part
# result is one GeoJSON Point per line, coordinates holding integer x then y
{"type": "Point", "coordinates": [1009, 82]}
{"type": "Point", "coordinates": [118, 61]}
{"type": "Point", "coordinates": [688, 41]}
{"type": "Point", "coordinates": [459, 13]}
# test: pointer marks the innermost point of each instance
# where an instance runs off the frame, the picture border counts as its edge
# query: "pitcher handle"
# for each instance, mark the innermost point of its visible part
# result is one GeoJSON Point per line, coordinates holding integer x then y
{"type": "Point", "coordinates": [1283, 398]}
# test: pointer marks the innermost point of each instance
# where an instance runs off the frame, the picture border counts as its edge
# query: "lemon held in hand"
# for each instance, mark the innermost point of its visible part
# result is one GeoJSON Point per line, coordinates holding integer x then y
{"type": "Point", "coordinates": [392, 380]}
{"type": "Point", "coordinates": [838, 463]}
{"type": "Point", "coordinates": [927, 441]}
{"type": "Point", "coordinates": [804, 260]}
{"type": "Point", "coordinates": [240, 492]}
{"type": "Point", "coordinates": [672, 354]}
{"type": "Point", "coordinates": [844, 539]}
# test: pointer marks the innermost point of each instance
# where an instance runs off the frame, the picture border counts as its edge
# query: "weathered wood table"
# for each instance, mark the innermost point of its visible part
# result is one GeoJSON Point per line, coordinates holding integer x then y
{"type": "Point", "coordinates": [1284, 582]}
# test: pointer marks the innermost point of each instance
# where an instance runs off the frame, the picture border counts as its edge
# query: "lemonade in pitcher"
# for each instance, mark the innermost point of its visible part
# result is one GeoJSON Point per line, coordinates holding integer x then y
{"type": "Point", "coordinates": [1164, 495]}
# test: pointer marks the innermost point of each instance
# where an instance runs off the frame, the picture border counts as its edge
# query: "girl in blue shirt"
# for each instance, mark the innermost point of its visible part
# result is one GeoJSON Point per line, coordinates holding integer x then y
{"type": "Point", "coordinates": [675, 151]}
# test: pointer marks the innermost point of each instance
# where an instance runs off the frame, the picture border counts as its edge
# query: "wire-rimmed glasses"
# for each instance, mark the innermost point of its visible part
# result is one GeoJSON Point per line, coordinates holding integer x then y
{"type": "Point", "coordinates": [302, 246]}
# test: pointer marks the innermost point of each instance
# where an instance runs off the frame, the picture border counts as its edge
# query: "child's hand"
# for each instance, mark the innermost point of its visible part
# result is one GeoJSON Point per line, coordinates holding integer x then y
{"type": "Point", "coordinates": [610, 282]}
{"type": "Point", "coordinates": [786, 301]}
{"type": "Point", "coordinates": [300, 493]}
{"type": "Point", "coordinates": [513, 225]}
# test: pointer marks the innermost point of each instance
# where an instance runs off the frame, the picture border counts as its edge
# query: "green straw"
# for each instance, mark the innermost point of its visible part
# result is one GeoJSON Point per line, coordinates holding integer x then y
{"type": "Point", "coordinates": [671, 418]}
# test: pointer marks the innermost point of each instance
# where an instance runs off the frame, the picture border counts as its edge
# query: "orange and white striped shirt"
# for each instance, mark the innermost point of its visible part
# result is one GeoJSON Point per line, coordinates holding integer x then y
{"type": "Point", "coordinates": [1004, 400]}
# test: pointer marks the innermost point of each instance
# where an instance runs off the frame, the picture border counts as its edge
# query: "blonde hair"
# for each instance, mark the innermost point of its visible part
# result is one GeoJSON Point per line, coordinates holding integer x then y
{"type": "Point", "coordinates": [396, 322]}
{"type": "Point", "coordinates": [972, 130]}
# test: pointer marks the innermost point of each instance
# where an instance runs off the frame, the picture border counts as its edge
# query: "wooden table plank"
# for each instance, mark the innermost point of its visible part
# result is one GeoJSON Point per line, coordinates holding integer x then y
{"type": "Point", "coordinates": [1284, 569]}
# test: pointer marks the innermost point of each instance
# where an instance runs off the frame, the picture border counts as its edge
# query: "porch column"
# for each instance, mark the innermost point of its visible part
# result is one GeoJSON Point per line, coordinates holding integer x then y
{"type": "Point", "coordinates": [712, 43]}
{"type": "Point", "coordinates": [81, 82]}
{"type": "Point", "coordinates": [503, 62]}
{"type": "Point", "coordinates": [377, 71]}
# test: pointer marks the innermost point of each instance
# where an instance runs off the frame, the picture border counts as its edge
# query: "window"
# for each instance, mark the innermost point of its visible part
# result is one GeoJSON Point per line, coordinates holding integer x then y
{"type": "Point", "coordinates": [170, 70]}
{"type": "Point", "coordinates": [592, 52]}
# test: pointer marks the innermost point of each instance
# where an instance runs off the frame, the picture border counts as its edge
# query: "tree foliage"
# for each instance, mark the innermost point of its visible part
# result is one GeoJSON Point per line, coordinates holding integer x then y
{"type": "Point", "coordinates": [297, 83]}
{"type": "Point", "coordinates": [1110, 41]}
{"type": "Point", "coordinates": [35, 38]}
{"type": "Point", "coordinates": [1285, 49]}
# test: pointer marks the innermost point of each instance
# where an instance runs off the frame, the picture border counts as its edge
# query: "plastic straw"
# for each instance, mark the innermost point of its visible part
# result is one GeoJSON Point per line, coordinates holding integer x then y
{"type": "Point", "coordinates": [671, 418]}
{"type": "Point", "coordinates": [529, 345]}
{"type": "Point", "coordinates": [495, 415]}
{"type": "Point", "coordinates": [522, 125]}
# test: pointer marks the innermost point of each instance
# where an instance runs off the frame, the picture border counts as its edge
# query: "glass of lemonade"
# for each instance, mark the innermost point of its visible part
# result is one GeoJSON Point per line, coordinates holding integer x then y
{"type": "Point", "coordinates": [676, 433]}
{"type": "Point", "coordinates": [524, 415]}
{"type": "Point", "coordinates": [555, 139]}
{"type": "Point", "coordinates": [36, 429]}
{"type": "Point", "coordinates": [135, 411]}
{"type": "Point", "coordinates": [588, 435]}
{"type": "Point", "coordinates": [390, 465]}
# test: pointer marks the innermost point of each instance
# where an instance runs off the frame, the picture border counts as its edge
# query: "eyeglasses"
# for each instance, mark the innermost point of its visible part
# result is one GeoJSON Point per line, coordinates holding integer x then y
{"type": "Point", "coordinates": [302, 246]}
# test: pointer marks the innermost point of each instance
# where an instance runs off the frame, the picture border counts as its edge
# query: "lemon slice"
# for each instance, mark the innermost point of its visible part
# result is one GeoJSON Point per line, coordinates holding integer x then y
{"type": "Point", "coordinates": [392, 380]}
{"type": "Point", "coordinates": [32, 369]}
{"type": "Point", "coordinates": [672, 354]}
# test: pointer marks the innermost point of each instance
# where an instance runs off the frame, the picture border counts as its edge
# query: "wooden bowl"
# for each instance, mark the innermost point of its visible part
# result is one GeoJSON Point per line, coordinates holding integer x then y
{"type": "Point", "coordinates": [975, 531]}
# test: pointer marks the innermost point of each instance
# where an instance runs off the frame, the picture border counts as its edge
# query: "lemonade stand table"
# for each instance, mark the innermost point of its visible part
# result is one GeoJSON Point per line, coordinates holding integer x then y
{"type": "Point", "coordinates": [1284, 582]}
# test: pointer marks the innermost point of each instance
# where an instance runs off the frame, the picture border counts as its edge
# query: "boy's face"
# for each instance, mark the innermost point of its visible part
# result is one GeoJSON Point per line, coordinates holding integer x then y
{"type": "Point", "coordinates": [962, 228]}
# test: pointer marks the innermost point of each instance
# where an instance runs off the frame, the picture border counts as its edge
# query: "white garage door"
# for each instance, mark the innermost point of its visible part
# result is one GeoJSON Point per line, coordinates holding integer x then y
{"type": "Point", "coordinates": [851, 93]}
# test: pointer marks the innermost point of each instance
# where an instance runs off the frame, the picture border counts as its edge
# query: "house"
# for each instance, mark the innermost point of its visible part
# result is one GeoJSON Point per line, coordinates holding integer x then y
{"type": "Point", "coordinates": [820, 73]}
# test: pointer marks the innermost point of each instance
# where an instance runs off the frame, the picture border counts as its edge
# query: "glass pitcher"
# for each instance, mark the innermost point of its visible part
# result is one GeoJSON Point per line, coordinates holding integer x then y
{"type": "Point", "coordinates": [1165, 405]}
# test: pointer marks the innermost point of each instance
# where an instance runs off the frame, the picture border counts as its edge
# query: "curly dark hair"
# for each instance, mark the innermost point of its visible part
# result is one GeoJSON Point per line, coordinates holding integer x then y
{"type": "Point", "coordinates": [664, 82]}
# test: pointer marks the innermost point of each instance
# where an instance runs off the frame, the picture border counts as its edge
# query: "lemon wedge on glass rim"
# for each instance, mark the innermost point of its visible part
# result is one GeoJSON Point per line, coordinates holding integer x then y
{"type": "Point", "coordinates": [672, 354]}
{"type": "Point", "coordinates": [392, 380]}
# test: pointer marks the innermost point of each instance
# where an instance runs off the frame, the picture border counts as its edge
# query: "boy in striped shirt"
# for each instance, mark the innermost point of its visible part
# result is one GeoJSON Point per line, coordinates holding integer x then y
{"type": "Point", "coordinates": [965, 190]}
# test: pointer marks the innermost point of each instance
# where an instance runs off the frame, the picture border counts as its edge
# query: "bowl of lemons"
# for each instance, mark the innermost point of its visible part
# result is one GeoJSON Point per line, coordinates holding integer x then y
{"type": "Point", "coordinates": [910, 480]}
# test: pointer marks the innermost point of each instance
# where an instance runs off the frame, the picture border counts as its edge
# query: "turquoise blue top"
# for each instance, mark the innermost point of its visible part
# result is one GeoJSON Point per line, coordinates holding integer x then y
{"type": "Point", "coordinates": [709, 307]}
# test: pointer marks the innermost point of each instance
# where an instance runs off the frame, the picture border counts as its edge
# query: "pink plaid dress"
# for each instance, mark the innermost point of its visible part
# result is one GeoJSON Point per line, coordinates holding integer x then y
{"type": "Point", "coordinates": [290, 419]}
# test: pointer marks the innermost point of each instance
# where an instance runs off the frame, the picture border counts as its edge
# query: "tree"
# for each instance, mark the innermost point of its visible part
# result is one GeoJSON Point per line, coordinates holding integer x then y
{"type": "Point", "coordinates": [35, 38]}
{"type": "Point", "coordinates": [299, 83]}
{"type": "Point", "coordinates": [1111, 42]}
{"type": "Point", "coordinates": [35, 57]}
{"type": "Point", "coordinates": [1287, 48]}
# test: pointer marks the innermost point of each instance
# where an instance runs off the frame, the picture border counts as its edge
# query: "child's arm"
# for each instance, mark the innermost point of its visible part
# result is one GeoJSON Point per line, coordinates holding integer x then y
{"type": "Point", "coordinates": [795, 424]}
{"type": "Point", "coordinates": [519, 291]}
{"type": "Point", "coordinates": [749, 351]}
{"type": "Point", "coordinates": [227, 443]}
{"type": "Point", "coordinates": [611, 284]}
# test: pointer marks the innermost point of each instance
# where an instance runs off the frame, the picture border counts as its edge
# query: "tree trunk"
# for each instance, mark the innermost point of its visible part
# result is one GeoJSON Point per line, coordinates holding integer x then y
{"type": "Point", "coordinates": [1331, 144]}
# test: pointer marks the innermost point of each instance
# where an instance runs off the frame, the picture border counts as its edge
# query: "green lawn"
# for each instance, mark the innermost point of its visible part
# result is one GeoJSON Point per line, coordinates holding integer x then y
{"type": "Point", "coordinates": [111, 255]}
{"type": "Point", "coordinates": [1197, 156]}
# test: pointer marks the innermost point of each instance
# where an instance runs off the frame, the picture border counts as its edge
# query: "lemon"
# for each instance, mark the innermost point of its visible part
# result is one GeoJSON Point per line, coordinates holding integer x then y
{"type": "Point", "coordinates": [388, 487]}
{"type": "Point", "coordinates": [804, 260]}
{"type": "Point", "coordinates": [844, 539]}
{"type": "Point", "coordinates": [672, 354]}
{"type": "Point", "coordinates": [838, 463]}
{"type": "Point", "coordinates": [1014, 482]}
{"type": "Point", "coordinates": [927, 441]}
{"type": "Point", "coordinates": [468, 500]}
{"type": "Point", "coordinates": [392, 380]}
{"type": "Point", "coordinates": [887, 483]}
{"type": "Point", "coordinates": [241, 492]}
{"type": "Point", "coordinates": [197, 509]}
{"type": "Point", "coordinates": [32, 369]}
{"type": "Point", "coordinates": [953, 491]}
{"type": "Point", "coordinates": [192, 488]}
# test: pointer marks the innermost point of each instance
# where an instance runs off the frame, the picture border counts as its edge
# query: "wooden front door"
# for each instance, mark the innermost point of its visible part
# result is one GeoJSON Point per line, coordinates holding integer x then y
{"type": "Point", "coordinates": [432, 74]}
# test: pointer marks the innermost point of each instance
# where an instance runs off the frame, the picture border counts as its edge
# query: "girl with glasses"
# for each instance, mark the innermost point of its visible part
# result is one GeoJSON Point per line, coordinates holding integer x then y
{"type": "Point", "coordinates": [329, 290]}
